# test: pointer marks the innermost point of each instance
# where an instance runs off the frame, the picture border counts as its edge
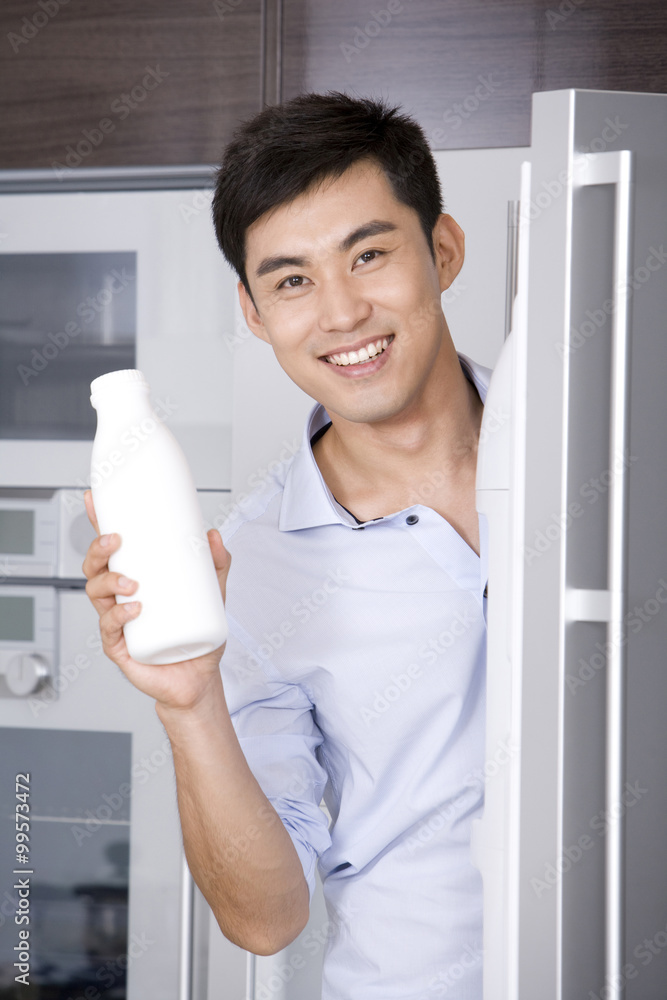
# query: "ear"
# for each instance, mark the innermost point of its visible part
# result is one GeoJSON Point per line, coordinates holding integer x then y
{"type": "Point", "coordinates": [252, 317]}
{"type": "Point", "coordinates": [449, 247]}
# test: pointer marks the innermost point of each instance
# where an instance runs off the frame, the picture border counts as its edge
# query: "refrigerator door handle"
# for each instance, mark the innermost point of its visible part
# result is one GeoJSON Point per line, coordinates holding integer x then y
{"type": "Point", "coordinates": [186, 942]}
{"type": "Point", "coordinates": [512, 263]}
{"type": "Point", "coordinates": [614, 168]}
{"type": "Point", "coordinates": [251, 977]}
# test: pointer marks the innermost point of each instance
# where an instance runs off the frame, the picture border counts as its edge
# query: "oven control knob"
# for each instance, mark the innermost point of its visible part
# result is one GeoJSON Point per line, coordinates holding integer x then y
{"type": "Point", "coordinates": [27, 674]}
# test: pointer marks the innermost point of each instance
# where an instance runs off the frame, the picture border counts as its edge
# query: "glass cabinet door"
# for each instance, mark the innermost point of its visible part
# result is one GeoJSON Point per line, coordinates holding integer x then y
{"type": "Point", "coordinates": [74, 868]}
{"type": "Point", "coordinates": [65, 318]}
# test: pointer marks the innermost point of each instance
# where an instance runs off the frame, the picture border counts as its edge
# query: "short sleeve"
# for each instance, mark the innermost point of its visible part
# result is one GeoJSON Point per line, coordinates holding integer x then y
{"type": "Point", "coordinates": [275, 726]}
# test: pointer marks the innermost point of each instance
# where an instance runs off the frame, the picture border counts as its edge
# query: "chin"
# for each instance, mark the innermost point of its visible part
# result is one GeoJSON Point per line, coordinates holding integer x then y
{"type": "Point", "coordinates": [366, 411]}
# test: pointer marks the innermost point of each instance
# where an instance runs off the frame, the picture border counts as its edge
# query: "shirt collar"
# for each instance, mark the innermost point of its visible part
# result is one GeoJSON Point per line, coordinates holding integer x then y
{"type": "Point", "coordinates": [307, 501]}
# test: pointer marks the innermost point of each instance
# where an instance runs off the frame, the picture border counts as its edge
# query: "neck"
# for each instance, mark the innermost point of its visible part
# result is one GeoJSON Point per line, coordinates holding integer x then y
{"type": "Point", "coordinates": [377, 466]}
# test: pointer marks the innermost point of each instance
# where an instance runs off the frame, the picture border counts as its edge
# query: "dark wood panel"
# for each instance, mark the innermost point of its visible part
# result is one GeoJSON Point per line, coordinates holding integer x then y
{"type": "Point", "coordinates": [464, 68]}
{"type": "Point", "coordinates": [467, 68]}
{"type": "Point", "coordinates": [125, 82]}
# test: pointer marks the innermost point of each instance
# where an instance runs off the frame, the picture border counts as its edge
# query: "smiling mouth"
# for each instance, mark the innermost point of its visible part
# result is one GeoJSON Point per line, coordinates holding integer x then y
{"type": "Point", "coordinates": [368, 352]}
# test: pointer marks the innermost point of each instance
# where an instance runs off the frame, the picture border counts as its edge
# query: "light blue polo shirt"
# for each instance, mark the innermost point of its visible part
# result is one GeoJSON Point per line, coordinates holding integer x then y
{"type": "Point", "coordinates": [355, 671]}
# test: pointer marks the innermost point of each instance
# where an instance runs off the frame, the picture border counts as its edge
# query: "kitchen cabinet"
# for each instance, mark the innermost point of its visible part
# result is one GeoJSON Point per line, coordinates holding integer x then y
{"type": "Point", "coordinates": [130, 83]}
{"type": "Point", "coordinates": [466, 69]}
{"type": "Point", "coordinates": [125, 83]}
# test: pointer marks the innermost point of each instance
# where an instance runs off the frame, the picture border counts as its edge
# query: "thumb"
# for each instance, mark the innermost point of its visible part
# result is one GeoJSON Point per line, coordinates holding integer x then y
{"type": "Point", "coordinates": [222, 559]}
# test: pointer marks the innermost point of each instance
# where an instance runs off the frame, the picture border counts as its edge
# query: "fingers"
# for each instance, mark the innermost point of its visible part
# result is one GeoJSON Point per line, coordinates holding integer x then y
{"type": "Point", "coordinates": [103, 585]}
{"type": "Point", "coordinates": [108, 585]}
{"type": "Point", "coordinates": [111, 629]}
{"type": "Point", "coordinates": [97, 556]}
{"type": "Point", "coordinates": [90, 509]}
{"type": "Point", "coordinates": [102, 588]}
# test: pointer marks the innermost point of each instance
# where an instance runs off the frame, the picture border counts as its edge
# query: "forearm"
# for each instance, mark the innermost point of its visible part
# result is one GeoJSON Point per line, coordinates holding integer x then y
{"type": "Point", "coordinates": [238, 850]}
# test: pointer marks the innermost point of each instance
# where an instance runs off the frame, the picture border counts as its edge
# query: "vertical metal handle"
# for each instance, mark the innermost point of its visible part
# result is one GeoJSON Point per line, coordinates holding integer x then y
{"type": "Point", "coordinates": [185, 944]}
{"type": "Point", "coordinates": [512, 262]}
{"type": "Point", "coordinates": [615, 168]}
{"type": "Point", "coordinates": [250, 976]}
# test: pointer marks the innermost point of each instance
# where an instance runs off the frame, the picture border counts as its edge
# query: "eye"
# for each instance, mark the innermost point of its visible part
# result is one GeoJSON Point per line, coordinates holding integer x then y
{"type": "Point", "coordinates": [368, 255]}
{"type": "Point", "coordinates": [294, 281]}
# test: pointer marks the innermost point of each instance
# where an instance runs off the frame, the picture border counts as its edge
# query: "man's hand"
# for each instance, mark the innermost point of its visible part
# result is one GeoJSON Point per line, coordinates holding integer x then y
{"type": "Point", "coordinates": [174, 685]}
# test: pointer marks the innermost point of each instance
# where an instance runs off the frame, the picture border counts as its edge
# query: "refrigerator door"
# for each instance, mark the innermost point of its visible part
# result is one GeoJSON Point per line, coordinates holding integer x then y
{"type": "Point", "coordinates": [571, 847]}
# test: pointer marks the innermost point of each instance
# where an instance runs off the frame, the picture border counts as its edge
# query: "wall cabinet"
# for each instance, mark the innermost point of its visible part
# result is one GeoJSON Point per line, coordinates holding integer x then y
{"type": "Point", "coordinates": [125, 82]}
{"type": "Point", "coordinates": [467, 68]}
{"type": "Point", "coordinates": [165, 81]}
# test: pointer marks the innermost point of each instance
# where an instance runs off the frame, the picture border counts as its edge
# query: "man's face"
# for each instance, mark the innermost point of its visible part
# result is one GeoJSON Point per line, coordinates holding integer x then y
{"type": "Point", "coordinates": [343, 266]}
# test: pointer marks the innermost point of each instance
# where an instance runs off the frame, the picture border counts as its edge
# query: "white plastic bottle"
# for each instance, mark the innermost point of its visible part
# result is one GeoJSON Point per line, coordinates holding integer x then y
{"type": "Point", "coordinates": [143, 490]}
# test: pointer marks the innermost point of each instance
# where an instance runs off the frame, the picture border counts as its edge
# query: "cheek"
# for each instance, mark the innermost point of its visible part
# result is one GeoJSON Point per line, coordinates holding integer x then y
{"type": "Point", "coordinates": [416, 308]}
{"type": "Point", "coordinates": [404, 285]}
{"type": "Point", "coordinates": [290, 325]}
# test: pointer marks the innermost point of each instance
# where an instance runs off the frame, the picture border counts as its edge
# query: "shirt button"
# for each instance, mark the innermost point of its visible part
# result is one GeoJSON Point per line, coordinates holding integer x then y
{"type": "Point", "coordinates": [411, 519]}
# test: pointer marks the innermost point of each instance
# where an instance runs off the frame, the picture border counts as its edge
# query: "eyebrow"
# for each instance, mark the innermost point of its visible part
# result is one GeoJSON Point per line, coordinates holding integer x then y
{"type": "Point", "coordinates": [374, 228]}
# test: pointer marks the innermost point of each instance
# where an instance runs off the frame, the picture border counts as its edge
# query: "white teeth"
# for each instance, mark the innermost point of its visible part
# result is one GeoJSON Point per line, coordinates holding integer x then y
{"type": "Point", "coordinates": [359, 357]}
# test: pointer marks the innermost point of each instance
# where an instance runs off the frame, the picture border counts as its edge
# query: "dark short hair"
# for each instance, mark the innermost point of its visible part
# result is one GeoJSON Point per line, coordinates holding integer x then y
{"type": "Point", "coordinates": [287, 148]}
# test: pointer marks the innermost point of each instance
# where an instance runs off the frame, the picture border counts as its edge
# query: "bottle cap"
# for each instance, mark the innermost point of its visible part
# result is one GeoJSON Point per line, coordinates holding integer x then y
{"type": "Point", "coordinates": [125, 377]}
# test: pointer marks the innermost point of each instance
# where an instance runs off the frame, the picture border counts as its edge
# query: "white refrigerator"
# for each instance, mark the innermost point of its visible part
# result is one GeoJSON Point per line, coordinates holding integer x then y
{"type": "Point", "coordinates": [572, 478]}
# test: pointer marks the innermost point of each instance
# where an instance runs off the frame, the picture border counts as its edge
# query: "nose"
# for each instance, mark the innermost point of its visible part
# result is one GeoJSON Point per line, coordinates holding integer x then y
{"type": "Point", "coordinates": [342, 305]}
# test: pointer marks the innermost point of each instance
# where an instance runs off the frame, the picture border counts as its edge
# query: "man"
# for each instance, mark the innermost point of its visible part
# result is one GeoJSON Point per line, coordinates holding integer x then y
{"type": "Point", "coordinates": [355, 663]}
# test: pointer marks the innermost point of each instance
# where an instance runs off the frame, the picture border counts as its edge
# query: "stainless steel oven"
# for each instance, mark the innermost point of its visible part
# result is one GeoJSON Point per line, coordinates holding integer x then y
{"type": "Point", "coordinates": [99, 270]}
{"type": "Point", "coordinates": [86, 783]}
{"type": "Point", "coordinates": [102, 270]}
